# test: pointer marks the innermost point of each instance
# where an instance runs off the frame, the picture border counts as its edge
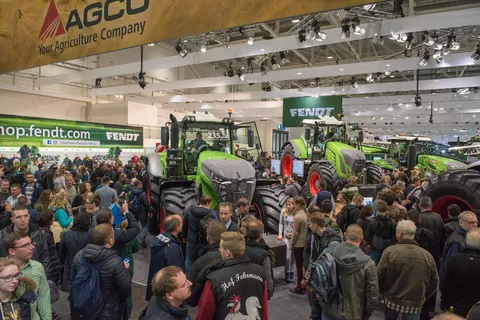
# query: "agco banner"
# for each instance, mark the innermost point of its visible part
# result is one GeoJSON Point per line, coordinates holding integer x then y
{"type": "Point", "coordinates": [45, 133]}
{"type": "Point", "coordinates": [39, 32]}
{"type": "Point", "coordinates": [297, 109]}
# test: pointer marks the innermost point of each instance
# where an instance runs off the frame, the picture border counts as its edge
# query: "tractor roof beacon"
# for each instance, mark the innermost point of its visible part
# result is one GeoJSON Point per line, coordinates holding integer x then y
{"type": "Point", "coordinates": [200, 159]}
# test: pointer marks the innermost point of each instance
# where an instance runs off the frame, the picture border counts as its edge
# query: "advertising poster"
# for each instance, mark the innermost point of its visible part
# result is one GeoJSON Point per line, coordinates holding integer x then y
{"type": "Point", "coordinates": [297, 109]}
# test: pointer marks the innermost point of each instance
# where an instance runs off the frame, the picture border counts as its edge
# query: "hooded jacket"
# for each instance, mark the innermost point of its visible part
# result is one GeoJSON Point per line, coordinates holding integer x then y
{"type": "Point", "coordinates": [454, 244]}
{"type": "Point", "coordinates": [450, 226]}
{"type": "Point", "coordinates": [158, 308]}
{"type": "Point", "coordinates": [317, 244]}
{"type": "Point", "coordinates": [257, 253]}
{"type": "Point", "coordinates": [359, 281]}
{"type": "Point", "coordinates": [349, 216]}
{"type": "Point", "coordinates": [191, 223]}
{"type": "Point", "coordinates": [20, 303]}
{"type": "Point", "coordinates": [211, 254]}
{"type": "Point", "coordinates": [142, 207]}
{"type": "Point", "coordinates": [53, 273]}
{"type": "Point", "coordinates": [166, 251]}
{"type": "Point", "coordinates": [115, 281]}
{"type": "Point", "coordinates": [71, 243]}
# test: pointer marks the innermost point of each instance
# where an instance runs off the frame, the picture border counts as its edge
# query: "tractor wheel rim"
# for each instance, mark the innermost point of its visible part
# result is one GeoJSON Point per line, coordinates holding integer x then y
{"type": "Point", "coordinates": [287, 165]}
{"type": "Point", "coordinates": [441, 204]}
{"type": "Point", "coordinates": [313, 183]}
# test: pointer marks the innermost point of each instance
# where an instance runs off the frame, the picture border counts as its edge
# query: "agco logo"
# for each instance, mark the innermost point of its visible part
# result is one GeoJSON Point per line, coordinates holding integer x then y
{"type": "Point", "coordinates": [93, 14]}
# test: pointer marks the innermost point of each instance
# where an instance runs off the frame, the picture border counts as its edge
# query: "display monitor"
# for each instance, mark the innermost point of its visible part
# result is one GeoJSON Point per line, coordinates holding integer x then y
{"type": "Point", "coordinates": [298, 167]}
{"type": "Point", "coordinates": [367, 201]}
{"type": "Point", "coordinates": [275, 166]}
{"type": "Point", "coordinates": [377, 158]}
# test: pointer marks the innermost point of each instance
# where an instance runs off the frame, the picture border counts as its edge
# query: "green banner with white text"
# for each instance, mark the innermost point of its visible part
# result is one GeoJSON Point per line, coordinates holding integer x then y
{"type": "Point", "coordinates": [297, 109]}
{"type": "Point", "coordinates": [52, 133]}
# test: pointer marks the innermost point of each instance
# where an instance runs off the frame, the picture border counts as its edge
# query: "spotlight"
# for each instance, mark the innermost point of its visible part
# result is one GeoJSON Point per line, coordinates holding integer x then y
{"type": "Point", "coordinates": [266, 87]}
{"type": "Point", "coordinates": [388, 72]}
{"type": "Point", "coordinates": [182, 52]}
{"type": "Point", "coordinates": [424, 61]}
{"type": "Point", "coordinates": [418, 100]}
{"type": "Point", "coordinates": [408, 41]}
{"type": "Point", "coordinates": [203, 48]}
{"type": "Point", "coordinates": [249, 65]}
{"type": "Point", "coordinates": [250, 39]}
{"type": "Point", "coordinates": [240, 75]}
{"type": "Point", "coordinates": [402, 37]}
{"type": "Point", "coordinates": [476, 54]}
{"type": "Point", "coordinates": [438, 56]}
{"type": "Point", "coordinates": [437, 46]}
{"type": "Point", "coordinates": [370, 78]}
{"type": "Point", "coordinates": [283, 58]}
{"type": "Point", "coordinates": [275, 65]}
{"type": "Point", "coordinates": [354, 82]}
{"type": "Point", "coordinates": [302, 35]}
{"type": "Point", "coordinates": [378, 40]}
{"type": "Point", "coordinates": [427, 39]}
{"type": "Point", "coordinates": [321, 36]}
{"type": "Point", "coordinates": [311, 35]}
{"type": "Point", "coordinates": [141, 80]}
{"type": "Point", "coordinates": [215, 66]}
{"type": "Point", "coordinates": [345, 28]}
{"type": "Point", "coordinates": [463, 91]}
{"type": "Point", "coordinates": [98, 82]}
{"type": "Point", "coordinates": [356, 26]}
{"type": "Point", "coordinates": [151, 44]}
{"type": "Point", "coordinates": [263, 68]}
{"type": "Point", "coordinates": [227, 43]}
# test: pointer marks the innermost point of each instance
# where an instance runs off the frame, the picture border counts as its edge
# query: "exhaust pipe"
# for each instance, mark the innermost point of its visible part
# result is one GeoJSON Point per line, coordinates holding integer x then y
{"type": "Point", "coordinates": [174, 154]}
{"type": "Point", "coordinates": [174, 132]}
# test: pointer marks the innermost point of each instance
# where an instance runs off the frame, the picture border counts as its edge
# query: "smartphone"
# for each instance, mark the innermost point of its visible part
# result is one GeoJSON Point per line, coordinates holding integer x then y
{"type": "Point", "coordinates": [121, 201]}
{"type": "Point", "coordinates": [127, 260]}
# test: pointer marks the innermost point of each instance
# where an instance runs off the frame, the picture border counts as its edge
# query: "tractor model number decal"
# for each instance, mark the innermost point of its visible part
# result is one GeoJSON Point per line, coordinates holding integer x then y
{"type": "Point", "coordinates": [221, 134]}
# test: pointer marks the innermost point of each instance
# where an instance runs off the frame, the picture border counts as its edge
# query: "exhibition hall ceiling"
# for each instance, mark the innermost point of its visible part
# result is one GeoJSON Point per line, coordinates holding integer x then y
{"type": "Point", "coordinates": [372, 55]}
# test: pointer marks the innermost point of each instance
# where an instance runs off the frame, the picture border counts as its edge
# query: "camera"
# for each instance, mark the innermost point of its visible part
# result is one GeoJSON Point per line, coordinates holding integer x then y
{"type": "Point", "coordinates": [418, 101]}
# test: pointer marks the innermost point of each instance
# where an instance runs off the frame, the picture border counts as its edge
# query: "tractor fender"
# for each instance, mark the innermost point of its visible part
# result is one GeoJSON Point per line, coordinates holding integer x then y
{"type": "Point", "coordinates": [155, 166]}
{"type": "Point", "coordinates": [474, 166]}
{"type": "Point", "coordinates": [296, 149]}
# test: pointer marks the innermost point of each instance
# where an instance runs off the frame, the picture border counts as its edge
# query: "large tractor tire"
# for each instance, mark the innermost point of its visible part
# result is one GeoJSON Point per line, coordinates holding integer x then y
{"type": "Point", "coordinates": [286, 160]}
{"type": "Point", "coordinates": [454, 187]}
{"type": "Point", "coordinates": [173, 201]}
{"type": "Point", "coordinates": [269, 203]}
{"type": "Point", "coordinates": [321, 172]}
{"type": "Point", "coordinates": [374, 174]}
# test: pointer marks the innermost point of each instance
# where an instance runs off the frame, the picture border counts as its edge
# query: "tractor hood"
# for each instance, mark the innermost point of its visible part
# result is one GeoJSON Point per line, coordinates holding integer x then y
{"type": "Point", "coordinates": [231, 178]}
{"type": "Point", "coordinates": [349, 157]}
{"type": "Point", "coordinates": [441, 163]}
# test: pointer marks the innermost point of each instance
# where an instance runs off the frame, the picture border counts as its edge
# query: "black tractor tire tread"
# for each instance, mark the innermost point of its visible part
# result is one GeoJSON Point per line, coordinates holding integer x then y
{"type": "Point", "coordinates": [328, 174]}
{"type": "Point", "coordinates": [464, 184]}
{"type": "Point", "coordinates": [374, 173]}
{"type": "Point", "coordinates": [270, 202]}
{"type": "Point", "coordinates": [177, 199]}
{"type": "Point", "coordinates": [288, 149]}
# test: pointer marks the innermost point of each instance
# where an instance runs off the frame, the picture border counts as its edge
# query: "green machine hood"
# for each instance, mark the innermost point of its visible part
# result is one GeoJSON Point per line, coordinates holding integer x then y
{"type": "Point", "coordinates": [346, 159]}
{"type": "Point", "coordinates": [438, 164]}
{"type": "Point", "coordinates": [225, 177]}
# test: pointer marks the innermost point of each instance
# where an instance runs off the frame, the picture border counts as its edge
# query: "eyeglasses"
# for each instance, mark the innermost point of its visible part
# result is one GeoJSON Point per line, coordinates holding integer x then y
{"type": "Point", "coordinates": [10, 278]}
{"type": "Point", "coordinates": [470, 222]}
{"type": "Point", "coordinates": [26, 245]}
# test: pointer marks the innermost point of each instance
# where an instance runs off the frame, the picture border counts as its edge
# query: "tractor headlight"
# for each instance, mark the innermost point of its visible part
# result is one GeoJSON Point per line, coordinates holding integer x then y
{"type": "Point", "coordinates": [455, 166]}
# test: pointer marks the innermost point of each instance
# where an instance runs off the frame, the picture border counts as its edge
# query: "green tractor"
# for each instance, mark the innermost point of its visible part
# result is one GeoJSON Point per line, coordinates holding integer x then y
{"type": "Point", "coordinates": [325, 152]}
{"type": "Point", "coordinates": [378, 151]}
{"type": "Point", "coordinates": [199, 158]}
{"type": "Point", "coordinates": [416, 151]}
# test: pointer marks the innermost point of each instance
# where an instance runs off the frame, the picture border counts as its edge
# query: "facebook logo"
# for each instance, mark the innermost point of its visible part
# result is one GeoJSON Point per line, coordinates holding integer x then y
{"type": "Point", "coordinates": [49, 141]}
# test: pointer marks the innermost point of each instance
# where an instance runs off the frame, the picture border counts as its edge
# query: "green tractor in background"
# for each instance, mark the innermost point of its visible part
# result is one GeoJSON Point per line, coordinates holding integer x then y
{"type": "Point", "coordinates": [200, 159]}
{"type": "Point", "coordinates": [378, 152]}
{"type": "Point", "coordinates": [416, 151]}
{"type": "Point", "coordinates": [325, 152]}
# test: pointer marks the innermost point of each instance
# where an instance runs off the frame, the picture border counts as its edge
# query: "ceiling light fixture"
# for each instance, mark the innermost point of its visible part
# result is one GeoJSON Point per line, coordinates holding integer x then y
{"type": "Point", "coordinates": [152, 44]}
{"type": "Point", "coordinates": [263, 68]}
{"type": "Point", "coordinates": [378, 40]}
{"type": "Point", "coordinates": [227, 43]}
{"type": "Point", "coordinates": [251, 39]}
{"type": "Point", "coordinates": [295, 20]}
{"type": "Point", "coordinates": [354, 82]}
{"type": "Point", "coordinates": [240, 75]}
{"type": "Point", "coordinates": [283, 58]}
{"type": "Point", "coordinates": [438, 56]}
{"type": "Point", "coordinates": [370, 77]}
{"type": "Point", "coordinates": [329, 57]}
{"type": "Point", "coordinates": [98, 83]}
{"type": "Point", "coordinates": [476, 54]}
{"type": "Point", "coordinates": [249, 65]}
{"type": "Point", "coordinates": [141, 76]}
{"type": "Point", "coordinates": [427, 39]}
{"type": "Point", "coordinates": [275, 64]}
{"type": "Point", "coordinates": [356, 26]}
{"type": "Point", "coordinates": [424, 61]}
{"type": "Point", "coordinates": [230, 72]}
{"type": "Point", "coordinates": [182, 52]}
{"type": "Point", "coordinates": [345, 28]}
{"type": "Point", "coordinates": [203, 47]}
{"type": "Point", "coordinates": [302, 35]}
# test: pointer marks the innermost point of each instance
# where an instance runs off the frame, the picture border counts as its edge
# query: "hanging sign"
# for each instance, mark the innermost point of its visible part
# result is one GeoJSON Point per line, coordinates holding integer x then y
{"type": "Point", "coordinates": [297, 109]}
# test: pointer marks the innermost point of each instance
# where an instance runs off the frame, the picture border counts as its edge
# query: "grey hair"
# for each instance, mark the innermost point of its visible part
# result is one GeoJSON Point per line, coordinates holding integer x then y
{"type": "Point", "coordinates": [408, 228]}
{"type": "Point", "coordinates": [425, 202]}
{"type": "Point", "coordinates": [473, 239]}
{"type": "Point", "coordinates": [465, 214]}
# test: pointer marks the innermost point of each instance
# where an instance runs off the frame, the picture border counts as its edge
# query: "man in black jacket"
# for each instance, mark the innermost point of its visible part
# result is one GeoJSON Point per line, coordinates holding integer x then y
{"type": "Point", "coordinates": [138, 195]}
{"type": "Point", "coordinates": [170, 289]}
{"type": "Point", "coordinates": [462, 277]}
{"type": "Point", "coordinates": [349, 214]}
{"type": "Point", "coordinates": [115, 281]}
{"type": "Point", "coordinates": [225, 213]}
{"type": "Point", "coordinates": [166, 249]}
{"type": "Point", "coordinates": [122, 237]}
{"type": "Point", "coordinates": [451, 222]}
{"type": "Point", "coordinates": [192, 228]}
{"type": "Point", "coordinates": [432, 220]}
{"type": "Point", "coordinates": [234, 287]}
{"type": "Point", "coordinates": [21, 223]}
{"type": "Point", "coordinates": [257, 252]}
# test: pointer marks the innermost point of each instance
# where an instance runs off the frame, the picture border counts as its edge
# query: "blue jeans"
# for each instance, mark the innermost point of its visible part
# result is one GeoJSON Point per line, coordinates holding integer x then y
{"type": "Point", "coordinates": [316, 308]}
{"type": "Point", "coordinates": [393, 315]}
{"type": "Point", "coordinates": [143, 233]}
{"type": "Point", "coordinates": [376, 256]}
{"type": "Point", "coordinates": [328, 316]}
{"type": "Point", "coordinates": [193, 252]}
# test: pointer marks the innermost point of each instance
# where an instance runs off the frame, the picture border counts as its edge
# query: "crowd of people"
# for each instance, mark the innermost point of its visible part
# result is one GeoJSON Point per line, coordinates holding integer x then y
{"type": "Point", "coordinates": [76, 229]}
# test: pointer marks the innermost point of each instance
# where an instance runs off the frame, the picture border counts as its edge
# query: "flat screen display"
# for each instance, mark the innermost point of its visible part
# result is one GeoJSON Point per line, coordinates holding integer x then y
{"type": "Point", "coordinates": [275, 166]}
{"type": "Point", "coordinates": [298, 167]}
{"type": "Point", "coordinates": [368, 201]}
{"type": "Point", "coordinates": [377, 158]}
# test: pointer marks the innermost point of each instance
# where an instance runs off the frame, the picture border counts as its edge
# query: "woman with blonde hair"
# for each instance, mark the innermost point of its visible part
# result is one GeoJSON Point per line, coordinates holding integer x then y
{"type": "Point", "coordinates": [297, 244]}
{"type": "Point", "coordinates": [44, 201]}
{"type": "Point", "coordinates": [59, 207]}
{"type": "Point", "coordinates": [59, 179]}
{"type": "Point", "coordinates": [16, 292]}
{"type": "Point", "coordinates": [285, 234]}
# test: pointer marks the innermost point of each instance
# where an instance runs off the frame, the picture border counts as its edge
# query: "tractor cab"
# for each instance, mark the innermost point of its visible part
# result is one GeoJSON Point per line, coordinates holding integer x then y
{"type": "Point", "coordinates": [318, 133]}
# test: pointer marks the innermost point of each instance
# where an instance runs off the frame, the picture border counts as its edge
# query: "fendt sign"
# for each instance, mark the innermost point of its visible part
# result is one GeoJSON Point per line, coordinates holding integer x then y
{"type": "Point", "coordinates": [92, 15]}
{"type": "Point", "coordinates": [39, 32]}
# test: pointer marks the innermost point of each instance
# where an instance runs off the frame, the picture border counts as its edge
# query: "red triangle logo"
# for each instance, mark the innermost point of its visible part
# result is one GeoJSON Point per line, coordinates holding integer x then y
{"type": "Point", "coordinates": [52, 26]}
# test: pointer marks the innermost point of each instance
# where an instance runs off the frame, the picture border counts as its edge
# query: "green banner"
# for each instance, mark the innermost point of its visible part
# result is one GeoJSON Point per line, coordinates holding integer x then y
{"type": "Point", "coordinates": [52, 133]}
{"type": "Point", "coordinates": [297, 109]}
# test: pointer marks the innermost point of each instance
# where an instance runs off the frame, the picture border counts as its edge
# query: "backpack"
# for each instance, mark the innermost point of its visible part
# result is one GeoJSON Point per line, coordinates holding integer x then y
{"type": "Point", "coordinates": [133, 203]}
{"type": "Point", "coordinates": [86, 296]}
{"type": "Point", "coordinates": [204, 222]}
{"type": "Point", "coordinates": [384, 234]}
{"type": "Point", "coordinates": [325, 279]}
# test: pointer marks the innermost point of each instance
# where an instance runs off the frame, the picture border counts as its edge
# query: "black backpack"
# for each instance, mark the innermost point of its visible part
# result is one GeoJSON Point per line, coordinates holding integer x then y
{"type": "Point", "coordinates": [384, 233]}
{"type": "Point", "coordinates": [204, 222]}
